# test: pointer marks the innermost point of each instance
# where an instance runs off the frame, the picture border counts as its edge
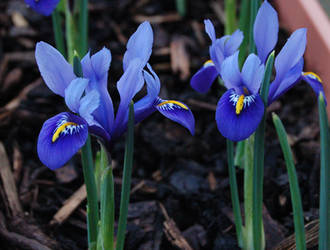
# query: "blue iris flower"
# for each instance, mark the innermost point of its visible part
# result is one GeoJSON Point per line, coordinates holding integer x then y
{"type": "Point", "coordinates": [64, 134]}
{"type": "Point", "coordinates": [219, 50]}
{"type": "Point", "coordinates": [44, 7]}
{"type": "Point", "coordinates": [240, 109]}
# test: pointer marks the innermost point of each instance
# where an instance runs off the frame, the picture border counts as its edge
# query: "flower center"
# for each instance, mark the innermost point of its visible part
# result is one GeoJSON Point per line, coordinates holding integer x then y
{"type": "Point", "coordinates": [169, 104]}
{"type": "Point", "coordinates": [239, 104]}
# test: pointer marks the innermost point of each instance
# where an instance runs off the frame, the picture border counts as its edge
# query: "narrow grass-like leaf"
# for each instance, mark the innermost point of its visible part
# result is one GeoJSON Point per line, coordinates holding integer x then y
{"type": "Point", "coordinates": [244, 25]}
{"type": "Point", "coordinates": [324, 231]}
{"type": "Point", "coordinates": [230, 11]}
{"type": "Point", "coordinates": [107, 204]}
{"type": "Point", "coordinates": [254, 4]}
{"type": "Point", "coordinates": [234, 192]}
{"type": "Point", "coordinates": [294, 185]}
{"type": "Point", "coordinates": [239, 154]}
{"type": "Point", "coordinates": [181, 7]}
{"type": "Point", "coordinates": [92, 198]}
{"type": "Point", "coordinates": [126, 184]}
{"type": "Point", "coordinates": [58, 33]}
{"type": "Point", "coordinates": [83, 26]}
{"type": "Point", "coordinates": [89, 177]}
{"type": "Point", "coordinates": [258, 164]}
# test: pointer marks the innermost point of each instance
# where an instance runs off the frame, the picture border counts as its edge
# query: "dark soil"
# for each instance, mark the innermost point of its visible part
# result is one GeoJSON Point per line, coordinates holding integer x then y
{"type": "Point", "coordinates": [187, 175]}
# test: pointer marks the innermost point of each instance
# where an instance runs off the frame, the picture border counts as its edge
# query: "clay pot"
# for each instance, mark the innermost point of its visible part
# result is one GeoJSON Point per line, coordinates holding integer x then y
{"type": "Point", "coordinates": [295, 14]}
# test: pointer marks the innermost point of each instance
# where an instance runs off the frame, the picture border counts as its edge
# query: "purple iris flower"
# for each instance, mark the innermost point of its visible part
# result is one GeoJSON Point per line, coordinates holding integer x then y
{"type": "Point", "coordinates": [44, 7]}
{"type": "Point", "coordinates": [64, 134]}
{"type": "Point", "coordinates": [289, 62]}
{"type": "Point", "coordinates": [240, 109]}
{"type": "Point", "coordinates": [219, 50]}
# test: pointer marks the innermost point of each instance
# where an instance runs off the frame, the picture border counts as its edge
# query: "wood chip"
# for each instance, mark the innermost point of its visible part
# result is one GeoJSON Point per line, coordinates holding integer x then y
{"type": "Point", "coordinates": [212, 181]}
{"type": "Point", "coordinates": [180, 61]}
{"type": "Point", "coordinates": [19, 20]}
{"type": "Point", "coordinates": [17, 162]}
{"type": "Point", "coordinates": [69, 206]}
{"type": "Point", "coordinates": [218, 10]}
{"type": "Point", "coordinates": [197, 27]}
{"type": "Point", "coordinates": [172, 17]}
{"type": "Point", "coordinates": [173, 233]}
{"type": "Point", "coordinates": [9, 184]}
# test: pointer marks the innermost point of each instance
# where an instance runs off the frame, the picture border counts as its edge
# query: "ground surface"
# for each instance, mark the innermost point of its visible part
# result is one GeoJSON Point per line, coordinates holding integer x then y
{"type": "Point", "coordinates": [180, 183]}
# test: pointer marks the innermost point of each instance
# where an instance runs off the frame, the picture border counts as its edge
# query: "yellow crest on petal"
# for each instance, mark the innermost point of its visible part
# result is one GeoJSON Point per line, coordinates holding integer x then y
{"type": "Point", "coordinates": [173, 102]}
{"type": "Point", "coordinates": [313, 75]}
{"type": "Point", "coordinates": [239, 104]}
{"type": "Point", "coordinates": [61, 128]}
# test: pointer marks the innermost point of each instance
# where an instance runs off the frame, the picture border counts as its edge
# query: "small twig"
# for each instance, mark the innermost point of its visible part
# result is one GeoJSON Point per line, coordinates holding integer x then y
{"type": "Point", "coordinates": [172, 17]}
{"type": "Point", "coordinates": [69, 206]}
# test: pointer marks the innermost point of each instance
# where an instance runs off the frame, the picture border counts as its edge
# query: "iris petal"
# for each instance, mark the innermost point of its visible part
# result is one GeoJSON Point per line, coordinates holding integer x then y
{"type": "Point", "coordinates": [74, 92]}
{"type": "Point", "coordinates": [278, 88]}
{"type": "Point", "coordinates": [88, 104]}
{"type": "Point", "coordinates": [209, 28]}
{"type": "Point", "coordinates": [177, 112]}
{"type": "Point", "coordinates": [217, 53]}
{"type": "Point", "coordinates": [202, 80]}
{"type": "Point", "coordinates": [233, 43]}
{"type": "Point", "coordinates": [55, 70]}
{"type": "Point", "coordinates": [230, 72]}
{"type": "Point", "coordinates": [238, 127]}
{"type": "Point", "coordinates": [265, 30]}
{"type": "Point", "coordinates": [44, 7]}
{"type": "Point", "coordinates": [253, 73]}
{"type": "Point", "coordinates": [315, 82]}
{"type": "Point", "coordinates": [72, 132]}
{"type": "Point", "coordinates": [128, 85]}
{"type": "Point", "coordinates": [139, 45]}
{"type": "Point", "coordinates": [291, 53]}
{"type": "Point", "coordinates": [96, 69]}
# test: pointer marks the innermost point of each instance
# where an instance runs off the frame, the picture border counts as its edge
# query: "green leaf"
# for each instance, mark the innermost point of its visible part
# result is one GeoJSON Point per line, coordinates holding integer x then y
{"type": "Point", "coordinates": [181, 7]}
{"type": "Point", "coordinates": [294, 186]}
{"type": "Point", "coordinates": [126, 184]}
{"type": "Point", "coordinates": [258, 164]}
{"type": "Point", "coordinates": [231, 22]}
{"type": "Point", "coordinates": [324, 231]}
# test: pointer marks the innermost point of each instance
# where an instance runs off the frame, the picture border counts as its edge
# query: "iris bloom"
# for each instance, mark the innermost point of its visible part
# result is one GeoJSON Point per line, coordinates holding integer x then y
{"type": "Point", "coordinates": [219, 50]}
{"type": "Point", "coordinates": [240, 109]}
{"type": "Point", "coordinates": [44, 7]}
{"type": "Point", "coordinates": [64, 134]}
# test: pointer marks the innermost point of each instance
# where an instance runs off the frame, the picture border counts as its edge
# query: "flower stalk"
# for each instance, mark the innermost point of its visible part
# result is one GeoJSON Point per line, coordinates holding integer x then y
{"type": "Point", "coordinates": [126, 184]}
{"type": "Point", "coordinates": [258, 166]}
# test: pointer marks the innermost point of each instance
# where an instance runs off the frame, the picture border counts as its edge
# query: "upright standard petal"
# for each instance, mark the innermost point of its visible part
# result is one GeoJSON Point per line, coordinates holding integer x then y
{"type": "Point", "coordinates": [230, 72]}
{"type": "Point", "coordinates": [217, 52]}
{"type": "Point", "coordinates": [265, 30]}
{"type": "Point", "coordinates": [55, 70]}
{"type": "Point", "coordinates": [128, 85]}
{"type": "Point", "coordinates": [237, 127]}
{"type": "Point", "coordinates": [278, 88]}
{"type": "Point", "coordinates": [202, 80]}
{"type": "Point", "coordinates": [87, 105]}
{"type": "Point", "coordinates": [252, 73]}
{"type": "Point", "coordinates": [178, 112]}
{"type": "Point", "coordinates": [44, 7]}
{"type": "Point", "coordinates": [60, 138]}
{"type": "Point", "coordinates": [291, 53]}
{"type": "Point", "coordinates": [233, 42]}
{"type": "Point", "coordinates": [209, 28]}
{"type": "Point", "coordinates": [74, 92]}
{"type": "Point", "coordinates": [139, 45]}
{"type": "Point", "coordinates": [96, 69]}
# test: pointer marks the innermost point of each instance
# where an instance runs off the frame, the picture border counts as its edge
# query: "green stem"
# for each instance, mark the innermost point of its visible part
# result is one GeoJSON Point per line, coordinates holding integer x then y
{"type": "Point", "coordinates": [294, 186]}
{"type": "Point", "coordinates": [253, 13]}
{"type": "Point", "coordinates": [83, 26]}
{"type": "Point", "coordinates": [324, 231]}
{"type": "Point", "coordinates": [181, 7]}
{"type": "Point", "coordinates": [258, 164]}
{"type": "Point", "coordinates": [92, 202]}
{"type": "Point", "coordinates": [248, 193]}
{"type": "Point", "coordinates": [244, 26]}
{"type": "Point", "coordinates": [69, 32]}
{"type": "Point", "coordinates": [107, 204]}
{"type": "Point", "coordinates": [57, 27]}
{"type": "Point", "coordinates": [234, 191]}
{"type": "Point", "coordinates": [126, 185]}
{"type": "Point", "coordinates": [230, 10]}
